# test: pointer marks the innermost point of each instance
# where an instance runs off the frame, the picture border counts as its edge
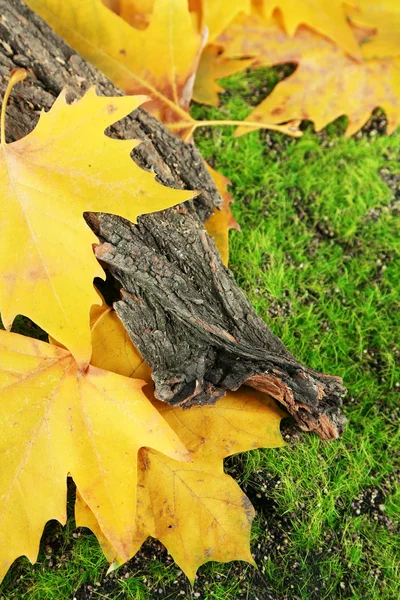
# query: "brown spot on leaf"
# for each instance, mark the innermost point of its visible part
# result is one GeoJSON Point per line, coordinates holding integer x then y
{"type": "Point", "coordinates": [248, 508]}
{"type": "Point", "coordinates": [144, 461]}
{"type": "Point", "coordinates": [36, 274]}
{"type": "Point", "coordinates": [9, 278]}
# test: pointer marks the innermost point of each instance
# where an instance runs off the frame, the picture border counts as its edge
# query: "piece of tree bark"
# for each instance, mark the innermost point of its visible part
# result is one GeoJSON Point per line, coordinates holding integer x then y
{"type": "Point", "coordinates": [178, 302]}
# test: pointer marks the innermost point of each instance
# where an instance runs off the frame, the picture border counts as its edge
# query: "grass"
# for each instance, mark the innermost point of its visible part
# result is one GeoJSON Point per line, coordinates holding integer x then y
{"type": "Point", "coordinates": [318, 256]}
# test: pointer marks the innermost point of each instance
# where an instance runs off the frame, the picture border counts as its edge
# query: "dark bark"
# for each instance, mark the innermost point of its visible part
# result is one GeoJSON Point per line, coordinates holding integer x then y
{"type": "Point", "coordinates": [178, 302]}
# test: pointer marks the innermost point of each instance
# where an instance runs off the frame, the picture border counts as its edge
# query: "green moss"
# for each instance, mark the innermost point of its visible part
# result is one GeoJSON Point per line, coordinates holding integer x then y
{"type": "Point", "coordinates": [319, 257]}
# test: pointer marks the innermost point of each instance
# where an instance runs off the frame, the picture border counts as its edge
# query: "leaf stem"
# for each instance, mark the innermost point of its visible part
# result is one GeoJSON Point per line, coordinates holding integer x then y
{"type": "Point", "coordinates": [289, 128]}
{"type": "Point", "coordinates": [16, 76]}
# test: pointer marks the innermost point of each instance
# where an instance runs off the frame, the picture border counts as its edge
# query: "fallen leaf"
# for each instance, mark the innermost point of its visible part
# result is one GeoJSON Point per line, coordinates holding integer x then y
{"type": "Point", "coordinates": [219, 224]}
{"type": "Point", "coordinates": [198, 512]}
{"type": "Point", "coordinates": [240, 421]}
{"type": "Point", "coordinates": [112, 348]}
{"type": "Point", "coordinates": [326, 84]}
{"type": "Point", "coordinates": [213, 66]}
{"type": "Point", "coordinates": [138, 13]}
{"type": "Point", "coordinates": [327, 17]}
{"type": "Point", "coordinates": [131, 57]}
{"type": "Point", "coordinates": [55, 421]}
{"type": "Point", "coordinates": [160, 61]}
{"type": "Point", "coordinates": [135, 12]}
{"type": "Point", "coordinates": [214, 14]}
{"type": "Point", "coordinates": [219, 13]}
{"type": "Point", "coordinates": [66, 166]}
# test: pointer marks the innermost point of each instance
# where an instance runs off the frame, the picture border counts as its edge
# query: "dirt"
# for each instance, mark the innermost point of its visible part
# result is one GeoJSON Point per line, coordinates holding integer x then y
{"type": "Point", "coordinates": [371, 502]}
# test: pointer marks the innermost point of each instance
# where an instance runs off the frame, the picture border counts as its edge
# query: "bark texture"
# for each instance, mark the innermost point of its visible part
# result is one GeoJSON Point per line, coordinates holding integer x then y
{"type": "Point", "coordinates": [180, 305]}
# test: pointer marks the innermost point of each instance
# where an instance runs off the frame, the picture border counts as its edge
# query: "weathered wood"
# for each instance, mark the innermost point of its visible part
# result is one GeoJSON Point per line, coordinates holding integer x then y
{"type": "Point", "coordinates": [178, 302]}
{"type": "Point", "coordinates": [196, 328]}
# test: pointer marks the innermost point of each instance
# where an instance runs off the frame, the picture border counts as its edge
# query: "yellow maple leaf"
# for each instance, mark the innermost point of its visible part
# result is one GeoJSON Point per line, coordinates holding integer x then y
{"type": "Point", "coordinates": [135, 12]}
{"type": "Point", "coordinates": [64, 167]}
{"type": "Point", "coordinates": [240, 421]}
{"type": "Point", "coordinates": [327, 17]}
{"type": "Point", "coordinates": [55, 421]}
{"type": "Point", "coordinates": [214, 14]}
{"type": "Point", "coordinates": [219, 224]}
{"type": "Point", "coordinates": [217, 14]}
{"type": "Point", "coordinates": [112, 347]}
{"type": "Point", "coordinates": [327, 82]}
{"type": "Point", "coordinates": [138, 13]}
{"type": "Point", "coordinates": [195, 510]}
{"type": "Point", "coordinates": [213, 66]}
{"type": "Point", "coordinates": [159, 61]}
{"type": "Point", "coordinates": [199, 514]}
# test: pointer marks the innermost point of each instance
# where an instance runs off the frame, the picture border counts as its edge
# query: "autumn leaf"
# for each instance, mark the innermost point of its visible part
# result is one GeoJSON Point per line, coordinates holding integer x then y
{"type": "Point", "coordinates": [130, 57]}
{"type": "Point", "coordinates": [55, 421]}
{"type": "Point", "coordinates": [219, 13]}
{"type": "Point", "coordinates": [219, 224]}
{"type": "Point", "coordinates": [138, 13]}
{"type": "Point", "coordinates": [195, 510]}
{"type": "Point", "coordinates": [327, 82]}
{"type": "Point", "coordinates": [112, 347]}
{"type": "Point", "coordinates": [135, 12]}
{"type": "Point", "coordinates": [213, 66]}
{"type": "Point", "coordinates": [327, 17]}
{"type": "Point", "coordinates": [215, 14]}
{"type": "Point", "coordinates": [240, 421]}
{"type": "Point", "coordinates": [64, 167]}
{"type": "Point", "coordinates": [198, 512]}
